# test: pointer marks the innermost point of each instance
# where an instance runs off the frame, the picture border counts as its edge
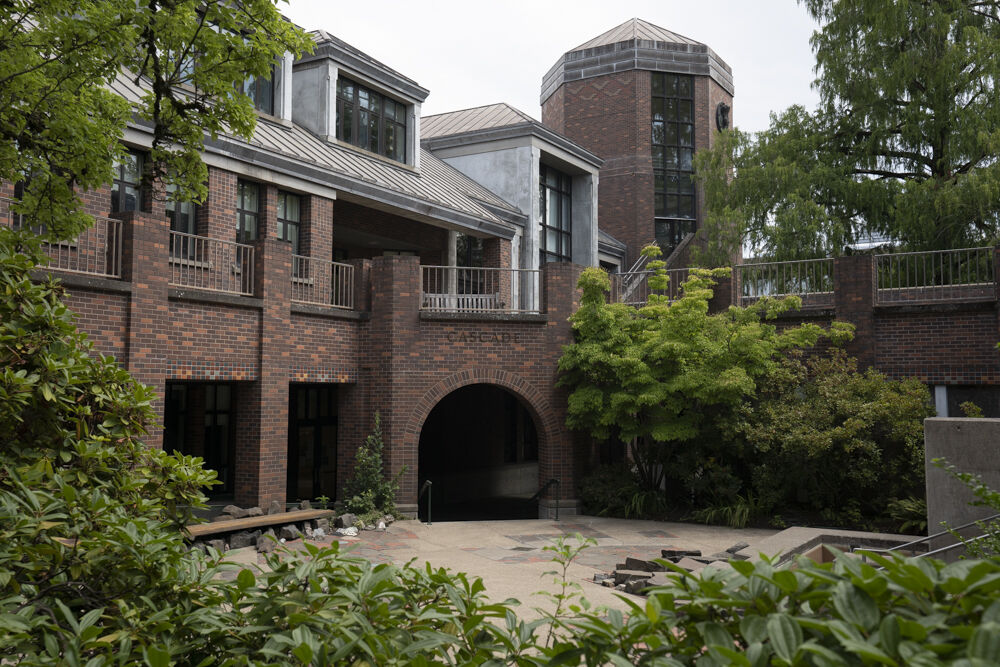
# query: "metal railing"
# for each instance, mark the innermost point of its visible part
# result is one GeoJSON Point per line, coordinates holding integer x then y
{"type": "Point", "coordinates": [320, 281]}
{"type": "Point", "coordinates": [545, 489]}
{"type": "Point", "coordinates": [478, 289]}
{"type": "Point", "coordinates": [910, 547]}
{"type": "Point", "coordinates": [632, 287]}
{"type": "Point", "coordinates": [426, 488]}
{"type": "Point", "coordinates": [211, 264]}
{"type": "Point", "coordinates": [97, 251]}
{"type": "Point", "coordinates": [941, 275]}
{"type": "Point", "coordinates": [810, 279]}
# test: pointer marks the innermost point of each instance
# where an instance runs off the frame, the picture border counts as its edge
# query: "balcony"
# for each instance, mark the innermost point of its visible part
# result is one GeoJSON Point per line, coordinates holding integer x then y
{"type": "Point", "coordinates": [322, 282]}
{"type": "Point", "coordinates": [461, 289]}
{"type": "Point", "coordinates": [203, 263]}
{"type": "Point", "coordinates": [97, 251]}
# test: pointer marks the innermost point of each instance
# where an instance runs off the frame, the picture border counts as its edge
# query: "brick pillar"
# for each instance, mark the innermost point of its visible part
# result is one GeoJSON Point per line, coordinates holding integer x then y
{"type": "Point", "coordinates": [564, 454]}
{"type": "Point", "coordinates": [262, 413]}
{"type": "Point", "coordinates": [145, 256]}
{"type": "Point", "coordinates": [496, 253]}
{"type": "Point", "coordinates": [854, 302]}
{"type": "Point", "coordinates": [317, 227]}
{"type": "Point", "coordinates": [395, 300]}
{"type": "Point", "coordinates": [722, 295]}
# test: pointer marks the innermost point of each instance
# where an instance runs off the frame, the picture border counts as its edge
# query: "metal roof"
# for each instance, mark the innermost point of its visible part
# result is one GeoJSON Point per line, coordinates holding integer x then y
{"type": "Point", "coordinates": [432, 192]}
{"type": "Point", "coordinates": [635, 28]}
{"type": "Point", "coordinates": [470, 120]}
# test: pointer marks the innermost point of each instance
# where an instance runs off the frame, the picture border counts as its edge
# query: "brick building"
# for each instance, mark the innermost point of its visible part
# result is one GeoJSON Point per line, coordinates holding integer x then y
{"type": "Point", "coordinates": [643, 99]}
{"type": "Point", "coordinates": [353, 258]}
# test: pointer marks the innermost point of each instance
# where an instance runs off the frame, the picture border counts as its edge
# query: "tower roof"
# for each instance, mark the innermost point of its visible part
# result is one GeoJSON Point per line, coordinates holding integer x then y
{"type": "Point", "coordinates": [637, 45]}
{"type": "Point", "coordinates": [636, 28]}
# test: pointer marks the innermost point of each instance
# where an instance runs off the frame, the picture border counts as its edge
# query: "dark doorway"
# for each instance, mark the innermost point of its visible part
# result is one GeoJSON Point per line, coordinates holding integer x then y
{"type": "Point", "coordinates": [479, 447]}
{"type": "Point", "coordinates": [198, 421]}
{"type": "Point", "coordinates": [312, 441]}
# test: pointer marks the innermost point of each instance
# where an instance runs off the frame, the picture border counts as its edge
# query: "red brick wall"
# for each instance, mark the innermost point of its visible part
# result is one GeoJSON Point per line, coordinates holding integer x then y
{"type": "Point", "coordinates": [207, 341]}
{"type": "Point", "coordinates": [322, 349]}
{"type": "Point", "coordinates": [104, 318]}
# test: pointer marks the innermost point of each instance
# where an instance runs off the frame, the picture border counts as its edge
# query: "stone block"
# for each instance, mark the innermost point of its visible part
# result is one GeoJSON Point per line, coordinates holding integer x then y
{"type": "Point", "coordinates": [275, 507]}
{"type": "Point", "coordinates": [240, 540]}
{"type": "Point", "coordinates": [346, 520]}
{"type": "Point", "coordinates": [644, 565]}
{"type": "Point", "coordinates": [290, 532]}
{"type": "Point", "coordinates": [235, 511]}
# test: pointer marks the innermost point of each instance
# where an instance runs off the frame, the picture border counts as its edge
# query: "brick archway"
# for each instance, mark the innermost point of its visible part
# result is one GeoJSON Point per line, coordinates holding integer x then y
{"type": "Point", "coordinates": [537, 405]}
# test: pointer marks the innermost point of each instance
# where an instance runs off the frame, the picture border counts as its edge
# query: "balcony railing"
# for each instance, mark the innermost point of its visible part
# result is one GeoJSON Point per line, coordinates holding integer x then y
{"type": "Point", "coordinates": [810, 279]}
{"type": "Point", "coordinates": [322, 282]}
{"type": "Point", "coordinates": [943, 275]}
{"type": "Point", "coordinates": [478, 289]}
{"type": "Point", "coordinates": [210, 264]}
{"type": "Point", "coordinates": [632, 287]}
{"type": "Point", "coordinates": [97, 251]}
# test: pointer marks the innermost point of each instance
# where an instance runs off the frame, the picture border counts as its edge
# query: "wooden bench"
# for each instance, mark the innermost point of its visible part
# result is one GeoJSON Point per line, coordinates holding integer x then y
{"type": "Point", "coordinates": [197, 530]}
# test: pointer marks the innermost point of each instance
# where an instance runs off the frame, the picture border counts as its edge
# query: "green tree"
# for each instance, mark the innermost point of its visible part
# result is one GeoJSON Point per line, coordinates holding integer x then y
{"type": "Point", "coordinates": [903, 145]}
{"type": "Point", "coordinates": [368, 493]}
{"type": "Point", "coordinates": [664, 376]}
{"type": "Point", "coordinates": [62, 114]}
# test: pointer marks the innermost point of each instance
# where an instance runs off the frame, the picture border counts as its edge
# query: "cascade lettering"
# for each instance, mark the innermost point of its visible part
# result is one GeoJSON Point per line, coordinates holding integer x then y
{"type": "Point", "coordinates": [482, 337]}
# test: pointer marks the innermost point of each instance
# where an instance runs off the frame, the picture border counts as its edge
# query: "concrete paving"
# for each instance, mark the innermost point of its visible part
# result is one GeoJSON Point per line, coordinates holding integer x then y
{"type": "Point", "coordinates": [511, 559]}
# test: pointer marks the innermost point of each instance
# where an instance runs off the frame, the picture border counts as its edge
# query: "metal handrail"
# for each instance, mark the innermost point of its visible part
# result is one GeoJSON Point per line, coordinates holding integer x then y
{"type": "Point", "coordinates": [936, 275]}
{"type": "Point", "coordinates": [545, 487]}
{"type": "Point", "coordinates": [426, 488]}
{"type": "Point", "coordinates": [950, 531]}
{"type": "Point", "coordinates": [206, 263]}
{"type": "Point", "coordinates": [322, 282]}
{"type": "Point", "coordinates": [466, 289]}
{"type": "Point", "coordinates": [802, 277]}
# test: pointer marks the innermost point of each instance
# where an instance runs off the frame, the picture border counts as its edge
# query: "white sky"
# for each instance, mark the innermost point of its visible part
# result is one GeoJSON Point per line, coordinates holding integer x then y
{"type": "Point", "coordinates": [472, 53]}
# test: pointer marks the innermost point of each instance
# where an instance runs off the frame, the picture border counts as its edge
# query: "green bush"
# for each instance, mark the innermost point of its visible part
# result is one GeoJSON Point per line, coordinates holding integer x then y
{"type": "Point", "coordinates": [369, 494]}
{"type": "Point", "coordinates": [912, 612]}
{"type": "Point", "coordinates": [608, 490]}
{"type": "Point", "coordinates": [821, 432]}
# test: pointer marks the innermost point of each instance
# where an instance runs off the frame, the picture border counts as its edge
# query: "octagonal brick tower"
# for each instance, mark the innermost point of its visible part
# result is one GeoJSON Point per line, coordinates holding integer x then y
{"type": "Point", "coordinates": [643, 99]}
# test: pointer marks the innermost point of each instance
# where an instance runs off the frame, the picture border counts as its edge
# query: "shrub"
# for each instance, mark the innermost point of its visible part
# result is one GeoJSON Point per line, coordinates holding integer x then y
{"type": "Point", "coordinates": [608, 490]}
{"type": "Point", "coordinates": [821, 432]}
{"type": "Point", "coordinates": [368, 493]}
{"type": "Point", "coordinates": [913, 611]}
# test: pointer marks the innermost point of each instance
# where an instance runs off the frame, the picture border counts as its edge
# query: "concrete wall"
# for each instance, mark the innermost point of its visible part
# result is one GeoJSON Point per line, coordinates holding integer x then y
{"type": "Point", "coordinates": [971, 445]}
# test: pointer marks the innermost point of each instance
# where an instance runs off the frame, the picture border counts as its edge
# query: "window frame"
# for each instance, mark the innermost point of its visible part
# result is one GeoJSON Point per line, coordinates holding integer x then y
{"type": "Point", "coordinates": [563, 191]}
{"type": "Point", "coordinates": [263, 100]}
{"type": "Point", "coordinates": [118, 182]}
{"type": "Point", "coordinates": [672, 146]}
{"type": "Point", "coordinates": [243, 214]}
{"type": "Point", "coordinates": [376, 110]}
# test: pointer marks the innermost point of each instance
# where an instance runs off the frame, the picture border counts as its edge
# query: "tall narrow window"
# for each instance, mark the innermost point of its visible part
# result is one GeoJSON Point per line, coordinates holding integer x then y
{"type": "Point", "coordinates": [247, 211]}
{"type": "Point", "coordinates": [371, 120]}
{"type": "Point", "coordinates": [126, 188]}
{"type": "Point", "coordinates": [219, 443]}
{"type": "Point", "coordinates": [290, 219]}
{"type": "Point", "coordinates": [673, 149]}
{"type": "Point", "coordinates": [556, 211]}
{"type": "Point", "coordinates": [182, 219]}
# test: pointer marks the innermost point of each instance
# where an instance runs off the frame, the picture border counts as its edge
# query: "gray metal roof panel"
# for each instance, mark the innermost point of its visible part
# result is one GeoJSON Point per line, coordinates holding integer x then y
{"type": "Point", "coordinates": [437, 183]}
{"type": "Point", "coordinates": [470, 120]}
{"type": "Point", "coordinates": [636, 28]}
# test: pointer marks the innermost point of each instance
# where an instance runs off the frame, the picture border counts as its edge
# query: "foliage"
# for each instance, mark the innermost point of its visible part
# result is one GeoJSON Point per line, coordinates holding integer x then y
{"type": "Point", "coordinates": [608, 490]}
{"type": "Point", "coordinates": [821, 432]}
{"type": "Point", "coordinates": [568, 600]}
{"type": "Point", "coordinates": [661, 377]}
{"type": "Point", "coordinates": [368, 493]}
{"type": "Point", "coordinates": [971, 410]}
{"type": "Point", "coordinates": [61, 124]}
{"type": "Point", "coordinates": [904, 143]}
{"type": "Point", "coordinates": [735, 513]}
{"type": "Point", "coordinates": [910, 514]}
{"type": "Point", "coordinates": [913, 612]}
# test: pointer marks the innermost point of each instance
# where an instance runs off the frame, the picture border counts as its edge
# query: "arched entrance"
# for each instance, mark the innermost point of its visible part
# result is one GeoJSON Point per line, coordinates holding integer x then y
{"type": "Point", "coordinates": [479, 447]}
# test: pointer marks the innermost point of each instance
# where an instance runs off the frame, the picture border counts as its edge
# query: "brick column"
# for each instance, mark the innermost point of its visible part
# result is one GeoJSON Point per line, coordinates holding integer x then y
{"type": "Point", "coordinates": [496, 253]}
{"type": "Point", "coordinates": [854, 302]}
{"type": "Point", "coordinates": [317, 227]}
{"type": "Point", "coordinates": [564, 458]}
{"type": "Point", "coordinates": [262, 412]}
{"type": "Point", "coordinates": [395, 301]}
{"type": "Point", "coordinates": [145, 256]}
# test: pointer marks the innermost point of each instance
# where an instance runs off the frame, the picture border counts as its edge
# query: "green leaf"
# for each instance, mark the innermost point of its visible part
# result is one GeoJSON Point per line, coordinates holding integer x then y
{"type": "Point", "coordinates": [985, 643]}
{"type": "Point", "coordinates": [785, 635]}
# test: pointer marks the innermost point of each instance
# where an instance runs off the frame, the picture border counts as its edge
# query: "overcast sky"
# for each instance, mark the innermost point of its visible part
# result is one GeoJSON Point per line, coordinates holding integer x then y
{"type": "Point", "coordinates": [471, 53]}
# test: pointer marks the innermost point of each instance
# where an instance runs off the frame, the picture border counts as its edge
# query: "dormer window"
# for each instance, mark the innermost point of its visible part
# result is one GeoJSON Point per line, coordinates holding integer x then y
{"type": "Point", "coordinates": [260, 90]}
{"type": "Point", "coordinates": [371, 120]}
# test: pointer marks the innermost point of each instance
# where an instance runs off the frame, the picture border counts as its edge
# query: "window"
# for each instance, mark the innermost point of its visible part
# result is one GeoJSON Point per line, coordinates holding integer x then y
{"type": "Point", "coordinates": [673, 149]}
{"type": "Point", "coordinates": [469, 250]}
{"type": "Point", "coordinates": [182, 219]}
{"type": "Point", "coordinates": [555, 206]}
{"type": "Point", "coordinates": [247, 211]}
{"type": "Point", "coordinates": [370, 120]}
{"type": "Point", "coordinates": [126, 188]}
{"type": "Point", "coordinates": [260, 90]}
{"type": "Point", "coordinates": [218, 439]}
{"type": "Point", "coordinates": [290, 219]}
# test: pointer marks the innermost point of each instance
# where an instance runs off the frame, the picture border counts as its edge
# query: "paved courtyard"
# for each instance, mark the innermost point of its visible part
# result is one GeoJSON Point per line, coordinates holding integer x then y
{"type": "Point", "coordinates": [510, 558]}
